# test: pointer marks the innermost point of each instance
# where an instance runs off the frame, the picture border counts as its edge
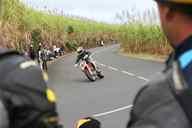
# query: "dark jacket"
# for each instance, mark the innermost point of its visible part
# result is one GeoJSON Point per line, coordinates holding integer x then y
{"type": "Point", "coordinates": [24, 92]}
{"type": "Point", "coordinates": [157, 105]}
{"type": "Point", "coordinates": [43, 55]}
{"type": "Point", "coordinates": [4, 120]}
{"type": "Point", "coordinates": [80, 56]}
{"type": "Point", "coordinates": [32, 53]}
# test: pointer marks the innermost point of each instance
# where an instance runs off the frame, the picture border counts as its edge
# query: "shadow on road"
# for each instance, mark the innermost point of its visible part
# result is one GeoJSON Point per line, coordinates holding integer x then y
{"type": "Point", "coordinates": [82, 81]}
{"type": "Point", "coordinates": [85, 81]}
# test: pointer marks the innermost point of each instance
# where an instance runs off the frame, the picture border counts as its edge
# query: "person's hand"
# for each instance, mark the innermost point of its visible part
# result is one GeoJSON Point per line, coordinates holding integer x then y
{"type": "Point", "coordinates": [88, 123]}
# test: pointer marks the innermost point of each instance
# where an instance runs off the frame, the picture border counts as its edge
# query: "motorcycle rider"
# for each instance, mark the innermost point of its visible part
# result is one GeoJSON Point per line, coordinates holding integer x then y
{"type": "Point", "coordinates": [81, 54]}
{"type": "Point", "coordinates": [165, 102]}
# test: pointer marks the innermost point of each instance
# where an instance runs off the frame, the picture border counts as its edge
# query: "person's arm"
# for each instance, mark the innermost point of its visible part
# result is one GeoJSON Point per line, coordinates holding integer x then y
{"type": "Point", "coordinates": [39, 55]}
{"type": "Point", "coordinates": [31, 103]}
{"type": "Point", "coordinates": [78, 59]}
{"type": "Point", "coordinates": [88, 53]}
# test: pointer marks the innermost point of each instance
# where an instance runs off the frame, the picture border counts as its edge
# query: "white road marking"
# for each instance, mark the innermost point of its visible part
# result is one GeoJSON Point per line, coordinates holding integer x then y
{"type": "Point", "coordinates": [128, 73]}
{"type": "Point", "coordinates": [113, 111]}
{"type": "Point", "coordinates": [112, 68]}
{"type": "Point", "coordinates": [103, 65]}
{"type": "Point", "coordinates": [124, 72]}
{"type": "Point", "coordinates": [142, 78]}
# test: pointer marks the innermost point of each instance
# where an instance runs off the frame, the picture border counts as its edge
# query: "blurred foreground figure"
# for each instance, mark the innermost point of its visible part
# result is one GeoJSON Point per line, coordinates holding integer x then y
{"type": "Point", "coordinates": [165, 102]}
{"type": "Point", "coordinates": [88, 123]}
{"type": "Point", "coordinates": [25, 99]}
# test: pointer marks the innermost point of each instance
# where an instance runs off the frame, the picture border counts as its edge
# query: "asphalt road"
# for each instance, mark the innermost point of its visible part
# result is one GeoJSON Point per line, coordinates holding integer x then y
{"type": "Point", "coordinates": [110, 99]}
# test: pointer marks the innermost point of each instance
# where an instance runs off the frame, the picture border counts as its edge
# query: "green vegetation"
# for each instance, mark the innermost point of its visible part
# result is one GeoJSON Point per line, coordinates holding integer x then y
{"type": "Point", "coordinates": [139, 38]}
{"type": "Point", "coordinates": [22, 26]}
{"type": "Point", "coordinates": [141, 33]}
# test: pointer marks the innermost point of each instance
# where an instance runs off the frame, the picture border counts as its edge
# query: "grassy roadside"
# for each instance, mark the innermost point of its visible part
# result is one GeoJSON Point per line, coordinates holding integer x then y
{"type": "Point", "coordinates": [148, 57]}
{"type": "Point", "coordinates": [21, 26]}
{"type": "Point", "coordinates": [138, 38]}
{"type": "Point", "coordinates": [144, 42]}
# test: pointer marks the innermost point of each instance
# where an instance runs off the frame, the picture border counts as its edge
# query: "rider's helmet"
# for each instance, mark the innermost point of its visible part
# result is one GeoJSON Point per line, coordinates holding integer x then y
{"type": "Point", "coordinates": [88, 123]}
{"type": "Point", "coordinates": [80, 50]}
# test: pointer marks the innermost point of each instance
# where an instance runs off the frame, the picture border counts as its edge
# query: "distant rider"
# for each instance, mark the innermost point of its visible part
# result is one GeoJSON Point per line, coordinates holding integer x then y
{"type": "Point", "coordinates": [31, 52]}
{"type": "Point", "coordinates": [81, 54]}
{"type": "Point", "coordinates": [43, 57]}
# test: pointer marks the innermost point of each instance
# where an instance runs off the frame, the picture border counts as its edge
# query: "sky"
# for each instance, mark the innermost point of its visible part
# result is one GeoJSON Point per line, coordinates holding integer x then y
{"type": "Point", "coordinates": [99, 10]}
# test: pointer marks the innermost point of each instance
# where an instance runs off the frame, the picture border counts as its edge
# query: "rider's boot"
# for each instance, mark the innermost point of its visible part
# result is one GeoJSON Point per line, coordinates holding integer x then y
{"type": "Point", "coordinates": [99, 74]}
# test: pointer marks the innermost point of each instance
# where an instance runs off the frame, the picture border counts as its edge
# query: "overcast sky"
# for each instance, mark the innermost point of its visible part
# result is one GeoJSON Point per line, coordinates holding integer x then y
{"type": "Point", "coordinates": [100, 10]}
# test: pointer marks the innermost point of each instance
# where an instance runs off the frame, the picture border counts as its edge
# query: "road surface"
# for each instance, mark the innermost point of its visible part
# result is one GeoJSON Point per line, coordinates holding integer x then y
{"type": "Point", "coordinates": [108, 100]}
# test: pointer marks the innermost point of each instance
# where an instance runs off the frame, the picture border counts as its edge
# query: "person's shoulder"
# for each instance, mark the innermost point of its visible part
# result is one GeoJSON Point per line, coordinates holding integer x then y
{"type": "Point", "coordinates": [23, 72]}
{"type": "Point", "coordinates": [156, 102]}
{"type": "Point", "coordinates": [7, 52]}
{"type": "Point", "coordinates": [154, 92]}
{"type": "Point", "coordinates": [11, 57]}
{"type": "Point", "coordinates": [157, 82]}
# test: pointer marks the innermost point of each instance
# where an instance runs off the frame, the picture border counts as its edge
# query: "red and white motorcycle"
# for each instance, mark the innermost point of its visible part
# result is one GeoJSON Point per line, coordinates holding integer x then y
{"type": "Point", "coordinates": [89, 68]}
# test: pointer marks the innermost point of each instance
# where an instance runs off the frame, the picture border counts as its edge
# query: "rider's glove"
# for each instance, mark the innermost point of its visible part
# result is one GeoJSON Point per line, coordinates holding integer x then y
{"type": "Point", "coordinates": [76, 65]}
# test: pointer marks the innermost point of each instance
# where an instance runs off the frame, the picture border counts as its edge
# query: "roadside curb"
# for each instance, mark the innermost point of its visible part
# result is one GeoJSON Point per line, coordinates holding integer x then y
{"type": "Point", "coordinates": [147, 57]}
{"type": "Point", "coordinates": [58, 58]}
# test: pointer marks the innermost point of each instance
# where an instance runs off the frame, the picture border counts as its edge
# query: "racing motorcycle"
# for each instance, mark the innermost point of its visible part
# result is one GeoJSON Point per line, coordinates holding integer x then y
{"type": "Point", "coordinates": [89, 69]}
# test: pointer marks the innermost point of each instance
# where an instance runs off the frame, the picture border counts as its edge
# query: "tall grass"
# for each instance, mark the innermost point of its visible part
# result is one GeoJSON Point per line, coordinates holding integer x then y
{"type": "Point", "coordinates": [20, 23]}
{"type": "Point", "coordinates": [140, 38]}
{"type": "Point", "coordinates": [141, 33]}
{"type": "Point", "coordinates": [21, 26]}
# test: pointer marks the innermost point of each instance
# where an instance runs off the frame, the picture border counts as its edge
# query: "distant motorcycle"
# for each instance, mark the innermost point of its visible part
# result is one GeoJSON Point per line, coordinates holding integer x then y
{"type": "Point", "coordinates": [89, 69]}
{"type": "Point", "coordinates": [100, 43]}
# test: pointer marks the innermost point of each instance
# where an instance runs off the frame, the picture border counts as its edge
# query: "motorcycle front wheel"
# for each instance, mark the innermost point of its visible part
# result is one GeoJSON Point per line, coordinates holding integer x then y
{"type": "Point", "coordinates": [91, 76]}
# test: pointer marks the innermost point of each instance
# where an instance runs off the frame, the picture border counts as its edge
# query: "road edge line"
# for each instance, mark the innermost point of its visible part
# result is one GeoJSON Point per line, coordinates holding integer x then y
{"type": "Point", "coordinates": [113, 111]}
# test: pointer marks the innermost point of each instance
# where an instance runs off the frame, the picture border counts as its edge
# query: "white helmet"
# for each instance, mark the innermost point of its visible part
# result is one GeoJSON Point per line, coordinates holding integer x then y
{"type": "Point", "coordinates": [80, 50]}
